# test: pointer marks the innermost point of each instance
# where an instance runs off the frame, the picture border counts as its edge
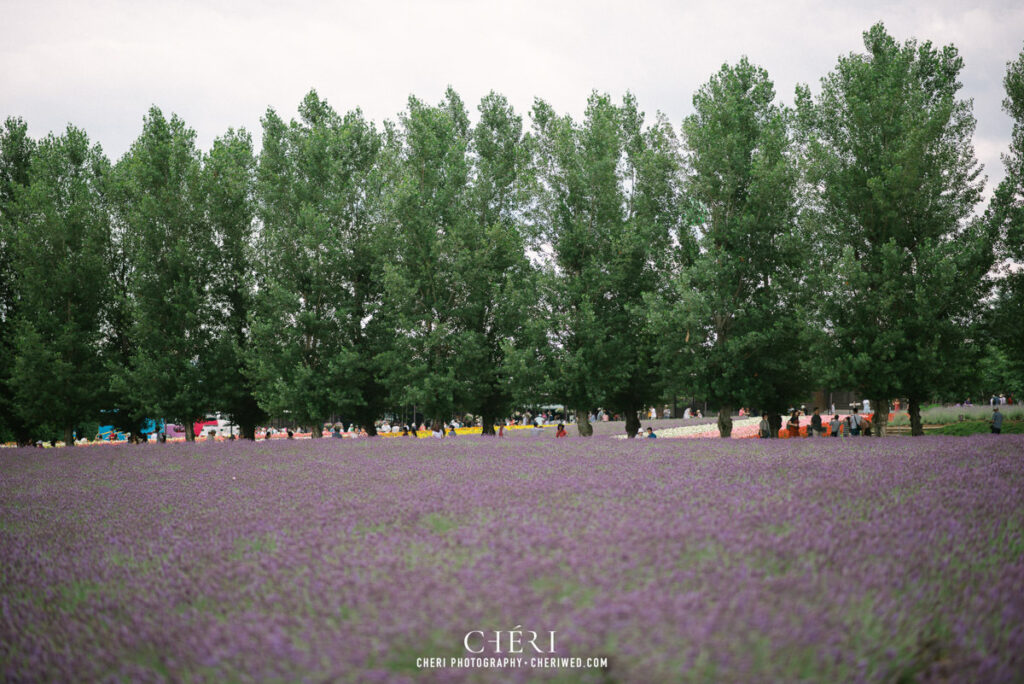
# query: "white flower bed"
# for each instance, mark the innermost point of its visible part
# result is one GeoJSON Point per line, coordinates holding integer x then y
{"type": "Point", "coordinates": [705, 430]}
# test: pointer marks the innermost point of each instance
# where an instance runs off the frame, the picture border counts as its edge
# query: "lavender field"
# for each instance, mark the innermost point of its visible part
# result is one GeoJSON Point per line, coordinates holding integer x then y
{"type": "Point", "coordinates": [675, 560]}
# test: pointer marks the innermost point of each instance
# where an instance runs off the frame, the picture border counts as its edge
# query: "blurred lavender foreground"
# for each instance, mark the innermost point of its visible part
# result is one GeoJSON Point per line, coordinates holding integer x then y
{"type": "Point", "coordinates": [678, 560]}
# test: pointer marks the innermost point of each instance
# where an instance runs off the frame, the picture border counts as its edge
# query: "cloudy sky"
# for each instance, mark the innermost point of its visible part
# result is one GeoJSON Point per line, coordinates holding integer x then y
{"type": "Point", "coordinates": [100, 64]}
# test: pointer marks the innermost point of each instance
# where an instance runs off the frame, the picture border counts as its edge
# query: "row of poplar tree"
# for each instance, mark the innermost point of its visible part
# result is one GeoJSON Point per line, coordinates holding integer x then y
{"type": "Point", "coordinates": [351, 269]}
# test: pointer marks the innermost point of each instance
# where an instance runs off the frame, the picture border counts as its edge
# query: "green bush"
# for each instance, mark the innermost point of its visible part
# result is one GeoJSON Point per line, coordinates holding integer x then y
{"type": "Point", "coordinates": [977, 427]}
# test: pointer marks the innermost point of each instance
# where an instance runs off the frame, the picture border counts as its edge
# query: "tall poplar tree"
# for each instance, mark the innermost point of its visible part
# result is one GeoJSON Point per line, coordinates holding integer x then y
{"type": "Point", "coordinates": [502, 292]}
{"type": "Point", "coordinates": [738, 306]}
{"type": "Point", "coordinates": [1006, 214]}
{"type": "Point", "coordinates": [15, 157]}
{"type": "Point", "coordinates": [169, 243]}
{"type": "Point", "coordinates": [316, 322]}
{"type": "Point", "coordinates": [122, 406]}
{"type": "Point", "coordinates": [463, 288]}
{"type": "Point", "coordinates": [889, 147]}
{"type": "Point", "coordinates": [229, 180]}
{"type": "Point", "coordinates": [59, 252]}
{"type": "Point", "coordinates": [613, 212]}
{"type": "Point", "coordinates": [426, 286]}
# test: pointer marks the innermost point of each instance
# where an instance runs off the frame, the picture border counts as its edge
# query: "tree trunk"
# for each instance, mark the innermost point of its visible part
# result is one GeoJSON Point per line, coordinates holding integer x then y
{"type": "Point", "coordinates": [632, 423]}
{"type": "Point", "coordinates": [881, 421]}
{"type": "Point", "coordinates": [774, 425]}
{"type": "Point", "coordinates": [725, 422]}
{"type": "Point", "coordinates": [583, 425]}
{"type": "Point", "coordinates": [487, 423]}
{"type": "Point", "coordinates": [190, 431]}
{"type": "Point", "coordinates": [315, 431]}
{"type": "Point", "coordinates": [914, 408]}
{"type": "Point", "coordinates": [69, 436]}
{"type": "Point", "coordinates": [247, 430]}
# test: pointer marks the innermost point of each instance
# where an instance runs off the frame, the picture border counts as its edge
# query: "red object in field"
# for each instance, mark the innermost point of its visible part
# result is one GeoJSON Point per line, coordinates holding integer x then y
{"type": "Point", "coordinates": [199, 428]}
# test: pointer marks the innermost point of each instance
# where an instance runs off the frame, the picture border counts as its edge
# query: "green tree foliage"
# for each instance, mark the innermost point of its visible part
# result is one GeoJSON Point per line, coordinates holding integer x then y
{"type": "Point", "coordinates": [59, 252]}
{"type": "Point", "coordinates": [993, 375]}
{"type": "Point", "coordinates": [1006, 215]}
{"type": "Point", "coordinates": [461, 283]}
{"type": "Point", "coordinates": [229, 183]}
{"type": "Point", "coordinates": [316, 328]}
{"type": "Point", "coordinates": [499, 337]}
{"type": "Point", "coordinates": [889, 145]}
{"type": "Point", "coordinates": [426, 281]}
{"type": "Point", "coordinates": [739, 304]}
{"type": "Point", "coordinates": [122, 406]}
{"type": "Point", "coordinates": [612, 210]}
{"type": "Point", "coordinates": [456, 266]}
{"type": "Point", "coordinates": [169, 245]}
{"type": "Point", "coordinates": [15, 157]}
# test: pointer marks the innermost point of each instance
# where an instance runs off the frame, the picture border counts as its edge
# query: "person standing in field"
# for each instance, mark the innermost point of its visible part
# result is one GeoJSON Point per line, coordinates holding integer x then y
{"type": "Point", "coordinates": [997, 421]}
{"type": "Point", "coordinates": [650, 433]}
{"type": "Point", "coordinates": [834, 424]}
{"type": "Point", "coordinates": [854, 423]}
{"type": "Point", "coordinates": [561, 431]}
{"type": "Point", "coordinates": [764, 428]}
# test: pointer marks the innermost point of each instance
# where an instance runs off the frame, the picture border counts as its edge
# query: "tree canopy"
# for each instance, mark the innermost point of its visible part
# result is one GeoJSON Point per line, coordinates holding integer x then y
{"type": "Point", "coordinates": [465, 260]}
{"type": "Point", "coordinates": [889, 148]}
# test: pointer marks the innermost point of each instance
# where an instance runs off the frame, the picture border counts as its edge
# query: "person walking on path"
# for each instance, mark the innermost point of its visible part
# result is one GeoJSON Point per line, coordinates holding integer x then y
{"type": "Point", "coordinates": [997, 421]}
{"type": "Point", "coordinates": [854, 423]}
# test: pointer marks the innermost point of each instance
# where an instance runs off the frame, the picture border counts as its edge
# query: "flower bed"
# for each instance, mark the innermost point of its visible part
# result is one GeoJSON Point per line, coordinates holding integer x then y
{"type": "Point", "coordinates": [677, 560]}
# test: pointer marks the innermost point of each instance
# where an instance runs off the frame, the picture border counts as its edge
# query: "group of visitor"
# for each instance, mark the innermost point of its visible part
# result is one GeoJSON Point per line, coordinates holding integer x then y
{"type": "Point", "coordinates": [994, 400]}
{"type": "Point", "coordinates": [853, 425]}
{"type": "Point", "coordinates": [652, 413]}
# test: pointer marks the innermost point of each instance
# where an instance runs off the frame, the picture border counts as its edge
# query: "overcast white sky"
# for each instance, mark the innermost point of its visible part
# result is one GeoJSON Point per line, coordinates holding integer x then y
{"type": "Point", "coordinates": [221, 63]}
